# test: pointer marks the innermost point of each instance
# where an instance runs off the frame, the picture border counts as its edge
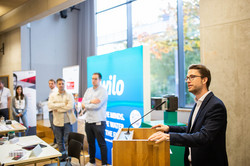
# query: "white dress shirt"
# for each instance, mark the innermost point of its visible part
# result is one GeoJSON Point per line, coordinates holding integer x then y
{"type": "Point", "coordinates": [196, 110]}
{"type": "Point", "coordinates": [95, 112]}
{"type": "Point", "coordinates": [4, 95]}
{"type": "Point", "coordinates": [55, 89]}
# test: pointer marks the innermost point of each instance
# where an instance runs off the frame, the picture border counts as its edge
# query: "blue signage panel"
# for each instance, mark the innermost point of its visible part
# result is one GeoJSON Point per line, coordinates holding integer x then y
{"type": "Point", "coordinates": [122, 73]}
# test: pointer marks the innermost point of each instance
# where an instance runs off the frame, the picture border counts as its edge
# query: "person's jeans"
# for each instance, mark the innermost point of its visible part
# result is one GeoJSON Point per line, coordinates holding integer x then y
{"type": "Point", "coordinates": [51, 124]}
{"type": "Point", "coordinates": [95, 131]}
{"type": "Point", "coordinates": [62, 134]}
{"type": "Point", "coordinates": [24, 120]}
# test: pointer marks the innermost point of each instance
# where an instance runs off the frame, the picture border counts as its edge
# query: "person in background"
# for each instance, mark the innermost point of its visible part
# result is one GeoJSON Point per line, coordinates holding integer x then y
{"type": "Point", "coordinates": [53, 89]}
{"type": "Point", "coordinates": [19, 105]}
{"type": "Point", "coordinates": [61, 103]}
{"type": "Point", "coordinates": [5, 100]}
{"type": "Point", "coordinates": [94, 102]}
{"type": "Point", "coordinates": [205, 136]}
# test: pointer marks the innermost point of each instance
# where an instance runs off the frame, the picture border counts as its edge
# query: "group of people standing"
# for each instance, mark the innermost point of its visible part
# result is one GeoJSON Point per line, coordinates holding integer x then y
{"type": "Point", "coordinates": [18, 104]}
{"type": "Point", "coordinates": [204, 137]}
{"type": "Point", "coordinates": [61, 113]}
{"type": "Point", "coordinates": [62, 117]}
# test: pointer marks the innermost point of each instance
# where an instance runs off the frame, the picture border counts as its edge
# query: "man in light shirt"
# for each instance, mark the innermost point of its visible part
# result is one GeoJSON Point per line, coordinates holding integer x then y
{"type": "Point", "coordinates": [61, 103]}
{"type": "Point", "coordinates": [53, 89]}
{"type": "Point", "coordinates": [205, 136]}
{"type": "Point", "coordinates": [94, 102]}
{"type": "Point", "coordinates": [5, 100]}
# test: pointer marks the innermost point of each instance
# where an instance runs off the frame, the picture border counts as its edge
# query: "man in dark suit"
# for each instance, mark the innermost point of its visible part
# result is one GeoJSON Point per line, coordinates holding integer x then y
{"type": "Point", "coordinates": [205, 135]}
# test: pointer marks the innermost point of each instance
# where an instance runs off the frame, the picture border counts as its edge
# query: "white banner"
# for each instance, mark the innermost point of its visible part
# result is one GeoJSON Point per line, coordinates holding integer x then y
{"type": "Point", "coordinates": [71, 77]}
{"type": "Point", "coordinates": [27, 79]}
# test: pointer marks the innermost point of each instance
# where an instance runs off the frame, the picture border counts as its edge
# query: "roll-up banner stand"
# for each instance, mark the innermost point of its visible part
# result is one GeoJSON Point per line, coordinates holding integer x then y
{"type": "Point", "coordinates": [27, 79]}
{"type": "Point", "coordinates": [126, 76]}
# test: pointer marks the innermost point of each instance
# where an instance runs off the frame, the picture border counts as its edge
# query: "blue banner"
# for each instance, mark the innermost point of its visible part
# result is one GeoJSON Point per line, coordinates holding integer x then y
{"type": "Point", "coordinates": [122, 76]}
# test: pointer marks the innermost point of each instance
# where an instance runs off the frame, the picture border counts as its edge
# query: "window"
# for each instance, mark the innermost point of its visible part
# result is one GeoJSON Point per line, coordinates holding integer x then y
{"type": "Point", "coordinates": [123, 23]}
{"type": "Point", "coordinates": [110, 35]}
{"type": "Point", "coordinates": [158, 30]}
{"type": "Point", "coordinates": [191, 30]}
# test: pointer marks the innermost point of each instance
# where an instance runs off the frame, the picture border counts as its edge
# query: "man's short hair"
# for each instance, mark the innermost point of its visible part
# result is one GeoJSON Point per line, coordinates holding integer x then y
{"type": "Point", "coordinates": [52, 80]}
{"type": "Point", "coordinates": [1, 81]}
{"type": "Point", "coordinates": [99, 75]}
{"type": "Point", "coordinates": [59, 79]}
{"type": "Point", "coordinates": [203, 70]}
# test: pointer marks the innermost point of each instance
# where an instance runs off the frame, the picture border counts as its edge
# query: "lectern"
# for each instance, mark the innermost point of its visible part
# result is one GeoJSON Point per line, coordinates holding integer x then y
{"type": "Point", "coordinates": [135, 149]}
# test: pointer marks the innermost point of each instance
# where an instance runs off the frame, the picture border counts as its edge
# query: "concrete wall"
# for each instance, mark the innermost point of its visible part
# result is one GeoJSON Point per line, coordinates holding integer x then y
{"type": "Point", "coordinates": [225, 47]}
{"type": "Point", "coordinates": [11, 60]}
{"type": "Point", "coordinates": [48, 45]}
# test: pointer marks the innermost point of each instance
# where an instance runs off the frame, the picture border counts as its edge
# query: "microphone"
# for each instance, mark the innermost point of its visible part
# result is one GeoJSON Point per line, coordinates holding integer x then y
{"type": "Point", "coordinates": [155, 108]}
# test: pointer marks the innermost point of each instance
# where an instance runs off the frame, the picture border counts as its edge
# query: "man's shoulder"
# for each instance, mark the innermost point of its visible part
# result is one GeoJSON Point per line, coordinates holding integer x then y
{"type": "Point", "coordinates": [102, 88]}
{"type": "Point", "coordinates": [6, 89]}
{"type": "Point", "coordinates": [55, 89]}
{"type": "Point", "coordinates": [53, 94]}
{"type": "Point", "coordinates": [214, 100]}
{"type": "Point", "coordinates": [68, 93]}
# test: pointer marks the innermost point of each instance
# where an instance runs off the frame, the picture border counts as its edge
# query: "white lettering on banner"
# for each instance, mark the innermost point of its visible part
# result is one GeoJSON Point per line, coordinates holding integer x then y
{"type": "Point", "coordinates": [115, 115]}
{"type": "Point", "coordinates": [116, 125]}
{"type": "Point", "coordinates": [107, 123]}
{"type": "Point", "coordinates": [107, 114]}
{"type": "Point", "coordinates": [114, 134]}
{"type": "Point", "coordinates": [113, 125]}
{"type": "Point", "coordinates": [110, 133]}
{"type": "Point", "coordinates": [113, 87]}
{"type": "Point", "coordinates": [106, 139]}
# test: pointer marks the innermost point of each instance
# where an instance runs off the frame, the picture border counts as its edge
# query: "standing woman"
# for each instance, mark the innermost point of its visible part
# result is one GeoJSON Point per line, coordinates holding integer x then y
{"type": "Point", "coordinates": [19, 105]}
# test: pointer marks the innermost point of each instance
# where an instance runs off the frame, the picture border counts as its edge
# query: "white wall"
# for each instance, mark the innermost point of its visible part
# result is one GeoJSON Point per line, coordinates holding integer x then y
{"type": "Point", "coordinates": [49, 45]}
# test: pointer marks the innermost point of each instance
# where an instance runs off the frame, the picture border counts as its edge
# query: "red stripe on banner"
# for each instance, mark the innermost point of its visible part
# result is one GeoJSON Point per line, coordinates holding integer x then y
{"type": "Point", "coordinates": [30, 80]}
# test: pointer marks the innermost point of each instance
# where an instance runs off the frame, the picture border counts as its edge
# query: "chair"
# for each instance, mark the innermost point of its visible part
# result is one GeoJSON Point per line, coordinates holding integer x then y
{"type": "Point", "coordinates": [76, 136]}
{"type": "Point", "coordinates": [80, 138]}
{"type": "Point", "coordinates": [74, 150]}
{"type": "Point", "coordinates": [75, 144]}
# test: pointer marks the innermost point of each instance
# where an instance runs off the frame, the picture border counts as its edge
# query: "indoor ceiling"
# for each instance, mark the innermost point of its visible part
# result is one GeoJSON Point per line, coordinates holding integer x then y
{"type": "Point", "coordinates": [8, 5]}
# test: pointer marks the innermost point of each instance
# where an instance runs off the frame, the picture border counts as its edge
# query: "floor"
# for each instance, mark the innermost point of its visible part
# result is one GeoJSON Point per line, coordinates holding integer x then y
{"type": "Point", "coordinates": [84, 154]}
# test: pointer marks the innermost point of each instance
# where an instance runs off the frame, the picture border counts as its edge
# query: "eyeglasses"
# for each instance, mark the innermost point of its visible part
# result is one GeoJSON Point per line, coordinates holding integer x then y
{"type": "Point", "coordinates": [191, 77]}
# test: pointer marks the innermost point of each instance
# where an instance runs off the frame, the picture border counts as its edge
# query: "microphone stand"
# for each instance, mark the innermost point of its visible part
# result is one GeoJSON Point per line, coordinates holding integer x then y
{"type": "Point", "coordinates": [127, 133]}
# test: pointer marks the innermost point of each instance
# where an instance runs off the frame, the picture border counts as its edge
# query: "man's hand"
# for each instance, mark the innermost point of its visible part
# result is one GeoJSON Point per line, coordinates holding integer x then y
{"type": "Point", "coordinates": [95, 101]}
{"type": "Point", "coordinates": [159, 137]}
{"type": "Point", "coordinates": [82, 112]}
{"type": "Point", "coordinates": [161, 127]}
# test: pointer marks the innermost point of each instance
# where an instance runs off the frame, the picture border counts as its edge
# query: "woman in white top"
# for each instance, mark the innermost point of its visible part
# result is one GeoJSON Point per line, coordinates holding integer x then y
{"type": "Point", "coordinates": [19, 105]}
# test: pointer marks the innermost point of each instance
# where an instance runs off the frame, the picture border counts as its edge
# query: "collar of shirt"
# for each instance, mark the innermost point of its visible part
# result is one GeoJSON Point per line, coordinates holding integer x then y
{"type": "Point", "coordinates": [60, 93]}
{"type": "Point", "coordinates": [96, 88]}
{"type": "Point", "coordinates": [202, 97]}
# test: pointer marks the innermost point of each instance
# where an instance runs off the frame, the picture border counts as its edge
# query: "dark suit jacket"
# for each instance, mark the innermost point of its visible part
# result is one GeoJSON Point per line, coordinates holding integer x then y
{"type": "Point", "coordinates": [207, 137]}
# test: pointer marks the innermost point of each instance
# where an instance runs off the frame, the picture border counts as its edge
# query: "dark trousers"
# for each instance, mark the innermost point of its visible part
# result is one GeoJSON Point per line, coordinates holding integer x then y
{"type": "Point", "coordinates": [5, 113]}
{"type": "Point", "coordinates": [62, 134]}
{"type": "Point", "coordinates": [51, 124]}
{"type": "Point", "coordinates": [95, 131]}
